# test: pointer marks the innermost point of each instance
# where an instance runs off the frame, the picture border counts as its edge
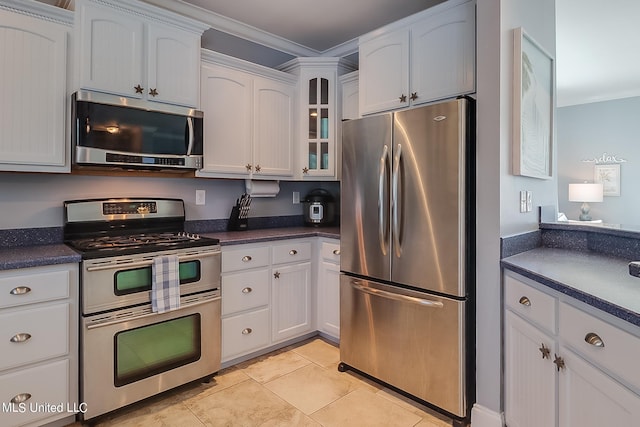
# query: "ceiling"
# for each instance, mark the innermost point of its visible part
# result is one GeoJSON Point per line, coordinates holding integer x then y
{"type": "Point", "coordinates": [596, 53]}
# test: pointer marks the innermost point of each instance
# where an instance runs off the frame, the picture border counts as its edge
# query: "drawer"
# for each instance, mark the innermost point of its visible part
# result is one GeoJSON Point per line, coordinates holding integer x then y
{"type": "Point", "coordinates": [620, 350]}
{"type": "Point", "coordinates": [291, 252]}
{"type": "Point", "coordinates": [530, 303]}
{"type": "Point", "coordinates": [25, 286]}
{"type": "Point", "coordinates": [245, 333]}
{"type": "Point", "coordinates": [245, 291]}
{"type": "Point", "coordinates": [243, 258]}
{"type": "Point", "coordinates": [330, 251]}
{"type": "Point", "coordinates": [34, 334]}
{"type": "Point", "coordinates": [46, 384]}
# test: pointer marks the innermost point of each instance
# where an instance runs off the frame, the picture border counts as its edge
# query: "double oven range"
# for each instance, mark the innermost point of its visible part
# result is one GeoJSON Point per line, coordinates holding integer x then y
{"type": "Point", "coordinates": [127, 351]}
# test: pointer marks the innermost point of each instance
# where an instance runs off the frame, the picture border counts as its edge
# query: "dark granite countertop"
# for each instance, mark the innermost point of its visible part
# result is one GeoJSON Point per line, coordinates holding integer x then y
{"type": "Point", "coordinates": [599, 280]}
{"type": "Point", "coordinates": [37, 255]}
{"type": "Point", "coordinates": [270, 234]}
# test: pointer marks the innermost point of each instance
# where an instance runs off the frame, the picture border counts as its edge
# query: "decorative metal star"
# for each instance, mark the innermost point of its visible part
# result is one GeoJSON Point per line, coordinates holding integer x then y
{"type": "Point", "coordinates": [403, 98]}
{"type": "Point", "coordinates": [305, 170]}
{"type": "Point", "coordinates": [139, 89]}
{"type": "Point", "coordinates": [153, 92]}
{"type": "Point", "coordinates": [276, 275]}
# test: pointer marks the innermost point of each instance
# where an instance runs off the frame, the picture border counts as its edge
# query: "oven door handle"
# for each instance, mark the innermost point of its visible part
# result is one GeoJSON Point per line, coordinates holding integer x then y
{"type": "Point", "coordinates": [148, 262]}
{"type": "Point", "coordinates": [146, 315]}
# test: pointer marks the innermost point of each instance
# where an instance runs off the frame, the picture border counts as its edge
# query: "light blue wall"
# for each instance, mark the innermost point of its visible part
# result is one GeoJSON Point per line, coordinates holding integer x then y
{"type": "Point", "coordinates": [35, 200]}
{"type": "Point", "coordinates": [589, 131]}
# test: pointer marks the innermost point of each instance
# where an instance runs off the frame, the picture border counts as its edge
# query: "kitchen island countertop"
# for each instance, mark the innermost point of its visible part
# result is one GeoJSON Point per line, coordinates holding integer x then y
{"type": "Point", "coordinates": [271, 234]}
{"type": "Point", "coordinates": [601, 281]}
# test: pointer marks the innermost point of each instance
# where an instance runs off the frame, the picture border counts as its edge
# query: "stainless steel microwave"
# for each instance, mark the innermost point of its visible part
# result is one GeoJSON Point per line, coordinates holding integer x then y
{"type": "Point", "coordinates": [115, 131]}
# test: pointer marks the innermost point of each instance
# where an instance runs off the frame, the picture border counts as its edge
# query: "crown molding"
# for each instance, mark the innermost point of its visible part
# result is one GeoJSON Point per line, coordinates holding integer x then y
{"type": "Point", "coordinates": [39, 10]}
{"type": "Point", "coordinates": [209, 56]}
{"type": "Point", "coordinates": [235, 28]}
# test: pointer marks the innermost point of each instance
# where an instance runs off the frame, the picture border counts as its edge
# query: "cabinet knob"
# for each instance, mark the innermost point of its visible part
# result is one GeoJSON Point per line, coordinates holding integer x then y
{"type": "Point", "coordinates": [559, 362]}
{"type": "Point", "coordinates": [246, 258]}
{"type": "Point", "coordinates": [403, 98]}
{"type": "Point", "coordinates": [525, 301]}
{"type": "Point", "coordinates": [21, 337]}
{"type": "Point", "coordinates": [248, 167]}
{"type": "Point", "coordinates": [258, 168]}
{"type": "Point", "coordinates": [247, 331]}
{"type": "Point", "coordinates": [138, 89]}
{"type": "Point", "coordinates": [546, 352]}
{"type": "Point", "coordinates": [20, 290]}
{"type": "Point", "coordinates": [593, 339]}
{"type": "Point", "coordinates": [20, 398]}
{"type": "Point", "coordinates": [414, 96]}
{"type": "Point", "coordinates": [336, 251]}
{"type": "Point", "coordinates": [276, 275]}
{"type": "Point", "coordinates": [305, 170]}
{"type": "Point", "coordinates": [153, 92]}
{"type": "Point", "coordinates": [247, 290]}
{"type": "Point", "coordinates": [293, 252]}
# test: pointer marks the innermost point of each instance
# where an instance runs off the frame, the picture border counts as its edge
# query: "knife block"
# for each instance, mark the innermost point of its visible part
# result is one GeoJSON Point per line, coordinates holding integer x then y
{"type": "Point", "coordinates": [235, 222]}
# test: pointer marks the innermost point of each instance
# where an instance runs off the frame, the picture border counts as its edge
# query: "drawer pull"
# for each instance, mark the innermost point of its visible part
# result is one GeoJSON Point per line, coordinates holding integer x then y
{"type": "Point", "coordinates": [293, 252]}
{"type": "Point", "coordinates": [336, 251]}
{"type": "Point", "coordinates": [20, 290]}
{"type": "Point", "coordinates": [20, 398]}
{"type": "Point", "coordinates": [559, 362]}
{"type": "Point", "coordinates": [21, 337]}
{"type": "Point", "coordinates": [247, 331]}
{"type": "Point", "coordinates": [525, 301]}
{"type": "Point", "coordinates": [546, 351]}
{"type": "Point", "coordinates": [247, 290]}
{"type": "Point", "coordinates": [594, 340]}
{"type": "Point", "coordinates": [246, 258]}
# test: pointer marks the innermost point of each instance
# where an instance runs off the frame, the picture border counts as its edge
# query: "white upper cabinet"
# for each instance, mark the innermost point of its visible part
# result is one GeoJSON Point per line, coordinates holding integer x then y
{"type": "Point", "coordinates": [422, 58]}
{"type": "Point", "coordinates": [248, 119]}
{"type": "Point", "coordinates": [33, 93]}
{"type": "Point", "coordinates": [129, 48]}
{"type": "Point", "coordinates": [317, 130]}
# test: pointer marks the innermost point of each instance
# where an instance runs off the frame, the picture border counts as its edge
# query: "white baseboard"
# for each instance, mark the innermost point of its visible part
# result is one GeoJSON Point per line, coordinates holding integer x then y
{"type": "Point", "coordinates": [485, 417]}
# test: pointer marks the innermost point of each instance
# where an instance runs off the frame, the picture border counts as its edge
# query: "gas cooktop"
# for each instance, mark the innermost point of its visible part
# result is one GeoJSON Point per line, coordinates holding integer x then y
{"type": "Point", "coordinates": [113, 227]}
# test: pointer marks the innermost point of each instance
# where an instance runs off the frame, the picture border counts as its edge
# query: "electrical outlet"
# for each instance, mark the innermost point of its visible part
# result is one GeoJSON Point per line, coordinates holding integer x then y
{"type": "Point", "coordinates": [296, 197]}
{"type": "Point", "coordinates": [200, 197]}
{"type": "Point", "coordinates": [529, 202]}
{"type": "Point", "coordinates": [523, 201]}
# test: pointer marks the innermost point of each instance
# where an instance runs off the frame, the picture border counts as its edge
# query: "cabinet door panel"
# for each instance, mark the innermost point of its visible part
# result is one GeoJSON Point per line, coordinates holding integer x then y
{"type": "Point", "coordinates": [443, 54]}
{"type": "Point", "coordinates": [530, 385]}
{"type": "Point", "coordinates": [173, 62]}
{"type": "Point", "coordinates": [33, 94]}
{"type": "Point", "coordinates": [384, 72]}
{"type": "Point", "coordinates": [273, 128]}
{"type": "Point", "coordinates": [110, 51]}
{"type": "Point", "coordinates": [589, 398]}
{"type": "Point", "coordinates": [291, 296]}
{"type": "Point", "coordinates": [226, 101]}
{"type": "Point", "coordinates": [329, 298]}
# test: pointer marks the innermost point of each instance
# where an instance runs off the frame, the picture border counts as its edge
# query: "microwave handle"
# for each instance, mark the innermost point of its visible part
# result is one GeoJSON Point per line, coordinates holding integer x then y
{"type": "Point", "coordinates": [191, 137]}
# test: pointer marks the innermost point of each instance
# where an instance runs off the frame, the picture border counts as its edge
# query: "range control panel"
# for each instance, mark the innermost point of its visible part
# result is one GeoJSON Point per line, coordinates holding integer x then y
{"type": "Point", "coordinates": [123, 208]}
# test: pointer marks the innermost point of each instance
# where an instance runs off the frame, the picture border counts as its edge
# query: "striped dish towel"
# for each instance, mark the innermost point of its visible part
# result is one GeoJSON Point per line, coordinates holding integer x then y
{"type": "Point", "coordinates": [165, 287]}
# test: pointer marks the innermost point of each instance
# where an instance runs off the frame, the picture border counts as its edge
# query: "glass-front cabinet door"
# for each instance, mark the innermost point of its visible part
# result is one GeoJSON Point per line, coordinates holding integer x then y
{"type": "Point", "coordinates": [319, 144]}
{"type": "Point", "coordinates": [318, 135]}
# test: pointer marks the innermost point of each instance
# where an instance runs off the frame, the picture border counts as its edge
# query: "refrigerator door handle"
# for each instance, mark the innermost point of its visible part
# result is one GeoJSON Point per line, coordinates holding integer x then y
{"type": "Point", "coordinates": [397, 297]}
{"type": "Point", "coordinates": [382, 179]}
{"type": "Point", "coordinates": [396, 202]}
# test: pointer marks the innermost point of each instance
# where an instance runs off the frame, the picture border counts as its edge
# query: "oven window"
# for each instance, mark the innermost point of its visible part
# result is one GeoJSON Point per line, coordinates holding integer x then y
{"type": "Point", "coordinates": [139, 279]}
{"type": "Point", "coordinates": [150, 350]}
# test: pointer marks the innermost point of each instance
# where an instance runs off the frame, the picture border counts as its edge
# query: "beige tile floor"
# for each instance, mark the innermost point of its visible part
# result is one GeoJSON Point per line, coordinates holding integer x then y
{"type": "Point", "coordinates": [295, 386]}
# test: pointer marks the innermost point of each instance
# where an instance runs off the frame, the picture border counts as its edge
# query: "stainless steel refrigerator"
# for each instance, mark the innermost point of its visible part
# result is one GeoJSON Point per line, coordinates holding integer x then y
{"type": "Point", "coordinates": [407, 243]}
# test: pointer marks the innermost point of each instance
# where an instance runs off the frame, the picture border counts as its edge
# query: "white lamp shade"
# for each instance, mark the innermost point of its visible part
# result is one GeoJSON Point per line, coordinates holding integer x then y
{"type": "Point", "coordinates": [585, 192]}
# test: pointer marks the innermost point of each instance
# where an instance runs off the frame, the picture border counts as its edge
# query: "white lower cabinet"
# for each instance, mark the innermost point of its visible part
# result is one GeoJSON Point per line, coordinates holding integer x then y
{"type": "Point", "coordinates": [566, 364]}
{"type": "Point", "coordinates": [39, 346]}
{"type": "Point", "coordinates": [266, 295]}
{"type": "Point", "coordinates": [328, 288]}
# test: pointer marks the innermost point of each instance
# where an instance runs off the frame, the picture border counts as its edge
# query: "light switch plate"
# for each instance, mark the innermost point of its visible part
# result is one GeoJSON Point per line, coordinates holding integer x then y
{"type": "Point", "coordinates": [296, 197]}
{"type": "Point", "coordinates": [523, 201]}
{"type": "Point", "coordinates": [529, 202]}
{"type": "Point", "coordinates": [200, 197]}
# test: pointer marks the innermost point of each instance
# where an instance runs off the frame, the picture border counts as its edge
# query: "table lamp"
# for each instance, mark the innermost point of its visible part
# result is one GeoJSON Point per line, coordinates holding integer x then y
{"type": "Point", "coordinates": [585, 193]}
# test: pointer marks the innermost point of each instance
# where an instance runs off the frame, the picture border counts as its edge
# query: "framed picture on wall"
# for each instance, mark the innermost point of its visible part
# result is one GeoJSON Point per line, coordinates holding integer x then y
{"type": "Point", "coordinates": [533, 101]}
{"type": "Point", "coordinates": [609, 176]}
